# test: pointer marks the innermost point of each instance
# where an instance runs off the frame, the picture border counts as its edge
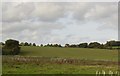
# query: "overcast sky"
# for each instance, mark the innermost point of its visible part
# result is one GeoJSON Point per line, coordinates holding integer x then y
{"type": "Point", "coordinates": [60, 22]}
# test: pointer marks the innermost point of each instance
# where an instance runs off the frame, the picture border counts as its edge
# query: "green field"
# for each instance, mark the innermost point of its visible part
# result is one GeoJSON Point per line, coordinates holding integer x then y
{"type": "Point", "coordinates": [49, 60]}
{"type": "Point", "coordinates": [81, 53]}
{"type": "Point", "coordinates": [55, 69]}
{"type": "Point", "coordinates": [44, 65]}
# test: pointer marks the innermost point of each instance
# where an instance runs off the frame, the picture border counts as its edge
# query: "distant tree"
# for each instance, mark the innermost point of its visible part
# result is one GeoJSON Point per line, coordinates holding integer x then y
{"type": "Point", "coordinates": [73, 45]}
{"type": "Point", "coordinates": [41, 45]}
{"type": "Point", "coordinates": [59, 45]}
{"type": "Point", "coordinates": [83, 45]}
{"type": "Point", "coordinates": [22, 44]}
{"type": "Point", "coordinates": [117, 43]}
{"type": "Point", "coordinates": [112, 43]}
{"type": "Point", "coordinates": [67, 45]}
{"type": "Point", "coordinates": [26, 44]}
{"type": "Point", "coordinates": [48, 45]}
{"type": "Point", "coordinates": [102, 46]}
{"type": "Point", "coordinates": [34, 44]}
{"type": "Point", "coordinates": [55, 45]}
{"type": "Point", "coordinates": [52, 45]}
{"type": "Point", "coordinates": [94, 45]}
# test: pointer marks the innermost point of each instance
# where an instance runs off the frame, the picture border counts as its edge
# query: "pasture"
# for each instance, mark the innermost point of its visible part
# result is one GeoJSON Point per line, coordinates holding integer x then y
{"type": "Point", "coordinates": [53, 60]}
{"type": "Point", "coordinates": [47, 65]}
{"type": "Point", "coordinates": [79, 53]}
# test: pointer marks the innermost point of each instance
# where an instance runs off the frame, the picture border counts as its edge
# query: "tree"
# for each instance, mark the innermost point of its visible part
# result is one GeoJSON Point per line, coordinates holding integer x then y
{"type": "Point", "coordinates": [50, 45]}
{"type": "Point", "coordinates": [94, 45]}
{"type": "Point", "coordinates": [67, 45]}
{"type": "Point", "coordinates": [59, 45]}
{"type": "Point", "coordinates": [112, 43]}
{"type": "Point", "coordinates": [102, 46]}
{"type": "Point", "coordinates": [34, 44]}
{"type": "Point", "coordinates": [41, 45]}
{"type": "Point", "coordinates": [11, 43]}
{"type": "Point", "coordinates": [11, 47]}
{"type": "Point", "coordinates": [55, 45]}
{"type": "Point", "coordinates": [26, 44]}
{"type": "Point", "coordinates": [83, 45]}
{"type": "Point", "coordinates": [117, 43]}
{"type": "Point", "coordinates": [73, 45]}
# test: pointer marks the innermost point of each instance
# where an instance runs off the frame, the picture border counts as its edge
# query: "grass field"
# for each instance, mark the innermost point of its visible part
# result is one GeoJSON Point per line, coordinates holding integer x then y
{"type": "Point", "coordinates": [55, 69]}
{"type": "Point", "coordinates": [44, 65]}
{"type": "Point", "coordinates": [81, 53]}
{"type": "Point", "coordinates": [49, 60]}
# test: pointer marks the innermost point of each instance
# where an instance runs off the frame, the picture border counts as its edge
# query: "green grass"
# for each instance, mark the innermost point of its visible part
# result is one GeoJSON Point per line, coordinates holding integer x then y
{"type": "Point", "coordinates": [46, 66]}
{"type": "Point", "coordinates": [81, 53]}
{"type": "Point", "coordinates": [54, 69]}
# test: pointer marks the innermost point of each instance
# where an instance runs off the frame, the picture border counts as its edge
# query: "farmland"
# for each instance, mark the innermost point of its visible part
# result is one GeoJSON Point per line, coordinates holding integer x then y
{"type": "Point", "coordinates": [54, 68]}
{"type": "Point", "coordinates": [54, 60]}
{"type": "Point", "coordinates": [79, 53]}
{"type": "Point", "coordinates": [47, 65]}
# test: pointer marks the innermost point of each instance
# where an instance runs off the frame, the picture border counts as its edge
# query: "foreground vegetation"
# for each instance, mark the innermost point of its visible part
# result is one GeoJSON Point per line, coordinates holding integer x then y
{"type": "Point", "coordinates": [47, 65]}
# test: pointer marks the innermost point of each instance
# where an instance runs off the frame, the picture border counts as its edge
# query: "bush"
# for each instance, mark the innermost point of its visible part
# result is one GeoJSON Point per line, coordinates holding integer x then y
{"type": "Point", "coordinates": [11, 47]}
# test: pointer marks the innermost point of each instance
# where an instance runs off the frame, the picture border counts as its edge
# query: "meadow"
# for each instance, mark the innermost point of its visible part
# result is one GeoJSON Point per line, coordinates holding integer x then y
{"type": "Point", "coordinates": [54, 60]}
{"type": "Point", "coordinates": [79, 53]}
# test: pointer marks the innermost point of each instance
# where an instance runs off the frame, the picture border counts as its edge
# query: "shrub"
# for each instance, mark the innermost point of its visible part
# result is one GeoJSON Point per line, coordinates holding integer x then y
{"type": "Point", "coordinates": [11, 47]}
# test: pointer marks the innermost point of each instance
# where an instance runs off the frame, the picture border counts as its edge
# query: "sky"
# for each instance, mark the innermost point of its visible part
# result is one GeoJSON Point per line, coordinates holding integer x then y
{"type": "Point", "coordinates": [59, 22]}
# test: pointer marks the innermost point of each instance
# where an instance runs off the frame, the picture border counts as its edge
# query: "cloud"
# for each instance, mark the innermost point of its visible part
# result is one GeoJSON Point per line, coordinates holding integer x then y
{"type": "Point", "coordinates": [36, 11]}
{"type": "Point", "coordinates": [16, 11]}
{"type": "Point", "coordinates": [97, 12]}
{"type": "Point", "coordinates": [51, 22]}
{"type": "Point", "coordinates": [48, 11]}
{"type": "Point", "coordinates": [28, 30]}
{"type": "Point", "coordinates": [105, 14]}
{"type": "Point", "coordinates": [80, 9]}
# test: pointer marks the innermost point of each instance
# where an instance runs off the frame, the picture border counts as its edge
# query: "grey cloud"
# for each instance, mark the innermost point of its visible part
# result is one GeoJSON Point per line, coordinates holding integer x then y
{"type": "Point", "coordinates": [48, 11]}
{"type": "Point", "coordinates": [16, 11]}
{"type": "Point", "coordinates": [37, 21]}
{"type": "Point", "coordinates": [33, 31]}
{"type": "Point", "coordinates": [32, 26]}
{"type": "Point", "coordinates": [109, 23]}
{"type": "Point", "coordinates": [103, 13]}
{"type": "Point", "coordinates": [41, 11]}
{"type": "Point", "coordinates": [82, 12]}
{"type": "Point", "coordinates": [80, 9]}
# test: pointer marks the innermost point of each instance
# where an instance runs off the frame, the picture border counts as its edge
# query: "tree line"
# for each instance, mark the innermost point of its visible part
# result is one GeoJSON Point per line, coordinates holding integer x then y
{"type": "Point", "coordinates": [108, 45]}
{"type": "Point", "coordinates": [12, 47]}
